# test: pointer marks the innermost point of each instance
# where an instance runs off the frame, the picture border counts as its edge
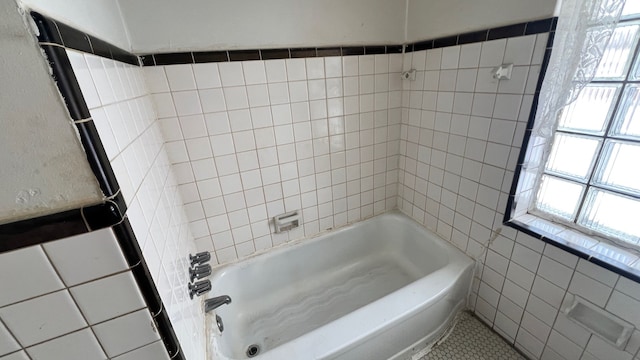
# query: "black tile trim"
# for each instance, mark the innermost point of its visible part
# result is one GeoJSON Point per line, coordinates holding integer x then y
{"type": "Point", "coordinates": [335, 51]}
{"type": "Point", "coordinates": [72, 95]}
{"type": "Point", "coordinates": [98, 159]}
{"type": "Point", "coordinates": [244, 55]}
{"type": "Point", "coordinates": [584, 253]}
{"type": "Point", "coordinates": [375, 50]}
{"type": "Point", "coordinates": [25, 233]}
{"type": "Point", "coordinates": [64, 35]}
{"type": "Point", "coordinates": [302, 53]}
{"type": "Point", "coordinates": [540, 26]}
{"type": "Point", "coordinates": [48, 29]}
{"type": "Point", "coordinates": [273, 54]}
{"type": "Point", "coordinates": [352, 50]}
{"type": "Point", "coordinates": [507, 31]}
{"type": "Point", "coordinates": [210, 56]}
{"type": "Point", "coordinates": [109, 213]}
{"type": "Point", "coordinates": [100, 47]}
{"type": "Point", "coordinates": [394, 49]}
{"type": "Point", "coordinates": [74, 39]}
{"type": "Point", "coordinates": [173, 58]}
{"type": "Point", "coordinates": [472, 37]}
{"type": "Point", "coordinates": [133, 254]}
{"type": "Point", "coordinates": [55, 32]}
{"type": "Point", "coordinates": [444, 42]}
{"type": "Point", "coordinates": [520, 29]}
{"type": "Point", "coordinates": [422, 45]}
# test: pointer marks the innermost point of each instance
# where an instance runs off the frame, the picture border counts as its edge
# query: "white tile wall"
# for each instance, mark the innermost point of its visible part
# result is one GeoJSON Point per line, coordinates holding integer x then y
{"type": "Point", "coordinates": [127, 123]}
{"type": "Point", "coordinates": [70, 321]}
{"type": "Point", "coordinates": [250, 140]}
{"type": "Point", "coordinates": [460, 137]}
{"type": "Point", "coordinates": [244, 141]}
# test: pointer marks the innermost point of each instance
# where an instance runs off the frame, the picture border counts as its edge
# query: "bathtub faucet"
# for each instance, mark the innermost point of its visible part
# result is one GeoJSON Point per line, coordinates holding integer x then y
{"type": "Point", "coordinates": [216, 302]}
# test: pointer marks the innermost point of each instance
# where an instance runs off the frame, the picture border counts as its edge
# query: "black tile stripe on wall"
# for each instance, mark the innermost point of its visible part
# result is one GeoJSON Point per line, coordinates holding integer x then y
{"type": "Point", "coordinates": [582, 252]}
{"type": "Point", "coordinates": [503, 32]}
{"type": "Point", "coordinates": [55, 32]}
{"type": "Point", "coordinates": [54, 37]}
{"type": "Point", "coordinates": [521, 29]}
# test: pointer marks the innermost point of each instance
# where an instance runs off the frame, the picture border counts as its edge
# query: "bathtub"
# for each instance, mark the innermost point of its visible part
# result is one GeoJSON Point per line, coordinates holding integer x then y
{"type": "Point", "coordinates": [379, 289]}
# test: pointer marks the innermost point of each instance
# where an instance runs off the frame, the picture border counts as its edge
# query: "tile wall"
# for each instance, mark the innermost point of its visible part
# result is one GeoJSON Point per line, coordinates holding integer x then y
{"type": "Point", "coordinates": [124, 114]}
{"type": "Point", "coordinates": [460, 137]}
{"type": "Point", "coordinates": [81, 302]}
{"type": "Point", "coordinates": [249, 140]}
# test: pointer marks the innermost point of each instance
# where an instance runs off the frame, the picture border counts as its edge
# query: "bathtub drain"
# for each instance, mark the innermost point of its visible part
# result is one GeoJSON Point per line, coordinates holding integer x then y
{"type": "Point", "coordinates": [253, 350]}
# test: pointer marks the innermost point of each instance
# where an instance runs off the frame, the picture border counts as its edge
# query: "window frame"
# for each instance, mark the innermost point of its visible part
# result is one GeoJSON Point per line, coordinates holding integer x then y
{"type": "Point", "coordinates": [518, 217]}
{"type": "Point", "coordinates": [633, 66]}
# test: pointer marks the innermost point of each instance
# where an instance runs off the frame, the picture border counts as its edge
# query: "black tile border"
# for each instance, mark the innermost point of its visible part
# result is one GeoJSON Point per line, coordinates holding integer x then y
{"type": "Point", "coordinates": [521, 29]}
{"type": "Point", "coordinates": [54, 38]}
{"type": "Point", "coordinates": [508, 220]}
{"type": "Point", "coordinates": [58, 33]}
{"type": "Point", "coordinates": [28, 232]}
{"type": "Point", "coordinates": [133, 254]}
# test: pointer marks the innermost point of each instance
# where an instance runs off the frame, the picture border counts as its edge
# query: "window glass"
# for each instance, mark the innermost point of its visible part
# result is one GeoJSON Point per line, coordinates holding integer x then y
{"type": "Point", "coordinates": [618, 53]}
{"type": "Point", "coordinates": [612, 214]}
{"type": "Point", "coordinates": [559, 197]}
{"type": "Point", "coordinates": [591, 110]}
{"type": "Point", "coordinates": [619, 168]}
{"type": "Point", "coordinates": [627, 121]}
{"type": "Point", "coordinates": [573, 156]}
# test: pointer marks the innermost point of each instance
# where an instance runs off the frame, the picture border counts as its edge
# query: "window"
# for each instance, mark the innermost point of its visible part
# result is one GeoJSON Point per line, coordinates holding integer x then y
{"type": "Point", "coordinates": [591, 179]}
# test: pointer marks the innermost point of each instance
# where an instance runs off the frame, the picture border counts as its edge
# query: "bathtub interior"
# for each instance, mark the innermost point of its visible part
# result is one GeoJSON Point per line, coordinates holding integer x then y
{"type": "Point", "coordinates": [289, 292]}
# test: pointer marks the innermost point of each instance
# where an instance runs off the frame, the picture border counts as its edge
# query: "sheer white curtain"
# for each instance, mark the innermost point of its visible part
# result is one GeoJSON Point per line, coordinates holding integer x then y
{"type": "Point", "coordinates": [583, 33]}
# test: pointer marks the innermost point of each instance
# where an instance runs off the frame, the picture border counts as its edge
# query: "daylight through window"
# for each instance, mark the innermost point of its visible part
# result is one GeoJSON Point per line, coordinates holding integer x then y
{"type": "Point", "coordinates": [592, 175]}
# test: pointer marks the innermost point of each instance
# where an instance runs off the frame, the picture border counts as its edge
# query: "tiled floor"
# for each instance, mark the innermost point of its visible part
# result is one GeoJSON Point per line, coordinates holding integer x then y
{"type": "Point", "coordinates": [471, 339]}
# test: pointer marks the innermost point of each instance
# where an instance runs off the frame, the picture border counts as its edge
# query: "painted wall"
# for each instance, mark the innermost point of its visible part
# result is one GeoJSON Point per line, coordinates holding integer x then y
{"type": "Point", "coordinates": [429, 19]}
{"type": "Point", "coordinates": [250, 24]}
{"type": "Point", "coordinates": [460, 139]}
{"type": "Point", "coordinates": [44, 168]}
{"type": "Point", "coordinates": [122, 109]}
{"type": "Point", "coordinates": [100, 18]}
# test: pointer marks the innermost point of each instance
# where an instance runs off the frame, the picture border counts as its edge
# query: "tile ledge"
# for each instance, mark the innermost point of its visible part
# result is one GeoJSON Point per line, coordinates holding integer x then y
{"type": "Point", "coordinates": [624, 262]}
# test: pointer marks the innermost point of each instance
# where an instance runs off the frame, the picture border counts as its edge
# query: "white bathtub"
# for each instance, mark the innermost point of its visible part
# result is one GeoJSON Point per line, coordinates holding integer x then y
{"type": "Point", "coordinates": [377, 289]}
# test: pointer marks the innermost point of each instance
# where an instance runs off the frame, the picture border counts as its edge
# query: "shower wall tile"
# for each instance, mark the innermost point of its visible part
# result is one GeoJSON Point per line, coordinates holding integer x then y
{"type": "Point", "coordinates": [41, 274]}
{"type": "Point", "coordinates": [126, 333]}
{"type": "Point", "coordinates": [153, 351]}
{"type": "Point", "coordinates": [128, 126]}
{"type": "Point", "coordinates": [55, 314]}
{"type": "Point", "coordinates": [61, 321]}
{"type": "Point", "coordinates": [8, 343]}
{"type": "Point", "coordinates": [20, 355]}
{"type": "Point", "coordinates": [79, 345]}
{"type": "Point", "coordinates": [88, 256]}
{"type": "Point", "coordinates": [460, 137]}
{"type": "Point", "coordinates": [318, 135]}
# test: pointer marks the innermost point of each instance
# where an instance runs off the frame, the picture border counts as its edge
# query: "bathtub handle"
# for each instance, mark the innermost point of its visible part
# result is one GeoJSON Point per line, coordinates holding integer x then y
{"type": "Point", "coordinates": [199, 272]}
{"type": "Point", "coordinates": [199, 288]}
{"type": "Point", "coordinates": [200, 258]}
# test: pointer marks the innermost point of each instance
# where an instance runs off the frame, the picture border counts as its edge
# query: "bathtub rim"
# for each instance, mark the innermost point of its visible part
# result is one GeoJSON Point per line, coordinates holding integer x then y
{"type": "Point", "coordinates": [220, 269]}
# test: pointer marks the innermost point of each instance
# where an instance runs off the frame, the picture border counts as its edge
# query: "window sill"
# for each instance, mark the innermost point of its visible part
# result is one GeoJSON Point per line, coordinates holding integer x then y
{"type": "Point", "coordinates": [590, 248]}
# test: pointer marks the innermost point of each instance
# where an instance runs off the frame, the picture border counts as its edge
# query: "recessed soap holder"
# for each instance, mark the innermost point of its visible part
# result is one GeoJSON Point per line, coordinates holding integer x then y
{"type": "Point", "coordinates": [286, 221]}
{"type": "Point", "coordinates": [610, 328]}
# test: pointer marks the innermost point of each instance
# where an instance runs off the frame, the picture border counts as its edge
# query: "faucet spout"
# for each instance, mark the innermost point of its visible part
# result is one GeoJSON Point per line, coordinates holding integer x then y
{"type": "Point", "coordinates": [216, 302]}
